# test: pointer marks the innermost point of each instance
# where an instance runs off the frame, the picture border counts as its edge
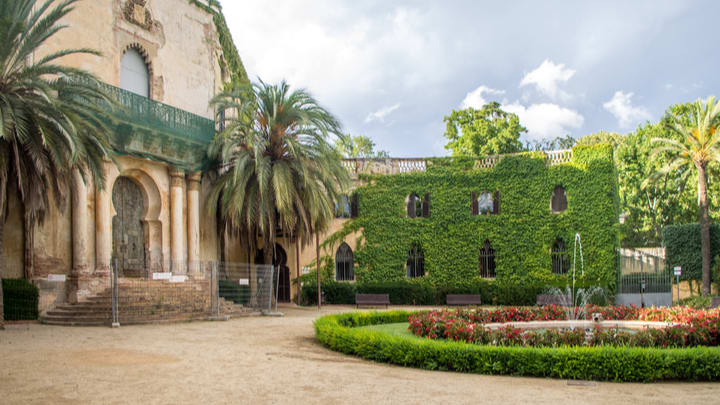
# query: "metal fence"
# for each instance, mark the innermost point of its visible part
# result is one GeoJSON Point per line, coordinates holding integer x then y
{"type": "Point", "coordinates": [643, 279]}
{"type": "Point", "coordinates": [208, 290]}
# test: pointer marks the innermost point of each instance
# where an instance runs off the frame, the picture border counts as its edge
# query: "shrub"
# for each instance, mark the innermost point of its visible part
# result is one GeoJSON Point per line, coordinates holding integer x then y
{"type": "Point", "coordinates": [20, 300]}
{"type": "Point", "coordinates": [586, 363]}
{"type": "Point", "coordinates": [682, 248]}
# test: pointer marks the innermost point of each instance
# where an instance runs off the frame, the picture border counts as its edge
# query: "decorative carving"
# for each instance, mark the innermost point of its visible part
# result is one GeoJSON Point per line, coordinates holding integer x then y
{"type": "Point", "coordinates": [136, 12]}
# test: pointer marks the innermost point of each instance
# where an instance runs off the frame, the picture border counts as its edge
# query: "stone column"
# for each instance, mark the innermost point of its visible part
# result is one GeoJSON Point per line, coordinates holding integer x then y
{"type": "Point", "coordinates": [193, 221]}
{"type": "Point", "coordinates": [177, 237]}
{"type": "Point", "coordinates": [80, 240]}
{"type": "Point", "coordinates": [103, 229]}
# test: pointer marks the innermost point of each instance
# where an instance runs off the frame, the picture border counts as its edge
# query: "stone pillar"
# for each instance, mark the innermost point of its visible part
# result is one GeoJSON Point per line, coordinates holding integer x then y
{"type": "Point", "coordinates": [103, 229]}
{"type": "Point", "coordinates": [177, 237]}
{"type": "Point", "coordinates": [80, 240]}
{"type": "Point", "coordinates": [193, 222]}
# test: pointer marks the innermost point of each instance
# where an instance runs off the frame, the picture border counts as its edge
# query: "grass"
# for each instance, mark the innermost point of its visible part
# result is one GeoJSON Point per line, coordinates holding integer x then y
{"type": "Point", "coordinates": [392, 329]}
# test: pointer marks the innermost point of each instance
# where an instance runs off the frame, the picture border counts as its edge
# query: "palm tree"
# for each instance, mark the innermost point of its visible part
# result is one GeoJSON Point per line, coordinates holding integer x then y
{"type": "Point", "coordinates": [277, 170]}
{"type": "Point", "coordinates": [50, 120]}
{"type": "Point", "coordinates": [697, 145]}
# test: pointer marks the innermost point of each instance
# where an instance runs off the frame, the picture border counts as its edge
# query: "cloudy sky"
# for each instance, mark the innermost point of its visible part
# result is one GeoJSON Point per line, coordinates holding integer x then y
{"type": "Point", "coordinates": [391, 70]}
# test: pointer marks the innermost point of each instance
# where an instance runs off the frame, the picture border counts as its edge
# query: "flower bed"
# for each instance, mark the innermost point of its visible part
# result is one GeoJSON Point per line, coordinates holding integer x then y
{"type": "Point", "coordinates": [600, 363]}
{"type": "Point", "coordinates": [691, 327]}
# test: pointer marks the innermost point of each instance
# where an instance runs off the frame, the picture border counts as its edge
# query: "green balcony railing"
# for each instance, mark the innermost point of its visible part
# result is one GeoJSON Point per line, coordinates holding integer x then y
{"type": "Point", "coordinates": [153, 130]}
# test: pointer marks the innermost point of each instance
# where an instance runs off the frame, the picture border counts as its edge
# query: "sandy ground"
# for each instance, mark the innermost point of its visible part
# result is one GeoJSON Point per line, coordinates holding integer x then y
{"type": "Point", "coordinates": [262, 360]}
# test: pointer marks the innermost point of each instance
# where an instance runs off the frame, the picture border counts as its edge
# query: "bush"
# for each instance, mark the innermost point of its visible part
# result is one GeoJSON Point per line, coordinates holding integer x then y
{"type": "Point", "coordinates": [584, 363]}
{"type": "Point", "coordinates": [683, 248]}
{"type": "Point", "coordinates": [232, 291]}
{"type": "Point", "coordinates": [20, 300]}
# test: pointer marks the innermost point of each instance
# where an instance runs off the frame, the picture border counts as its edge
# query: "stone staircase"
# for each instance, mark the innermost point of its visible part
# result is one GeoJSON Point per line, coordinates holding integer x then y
{"type": "Point", "coordinates": [142, 301]}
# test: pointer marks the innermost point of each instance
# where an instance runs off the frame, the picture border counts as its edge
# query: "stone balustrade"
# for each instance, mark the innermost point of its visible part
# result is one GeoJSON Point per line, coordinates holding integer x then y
{"type": "Point", "coordinates": [408, 165]}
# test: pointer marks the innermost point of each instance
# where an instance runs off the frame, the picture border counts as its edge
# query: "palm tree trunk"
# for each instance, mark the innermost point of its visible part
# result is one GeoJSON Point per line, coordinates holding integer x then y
{"type": "Point", "coordinates": [317, 260]}
{"type": "Point", "coordinates": [704, 228]}
{"type": "Point", "coordinates": [29, 247]}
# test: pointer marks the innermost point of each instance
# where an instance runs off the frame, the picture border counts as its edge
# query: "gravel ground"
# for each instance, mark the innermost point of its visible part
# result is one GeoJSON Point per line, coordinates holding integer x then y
{"type": "Point", "coordinates": [263, 360]}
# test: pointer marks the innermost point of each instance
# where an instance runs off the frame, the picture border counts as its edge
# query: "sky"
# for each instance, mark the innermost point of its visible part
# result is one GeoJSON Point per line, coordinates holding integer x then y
{"type": "Point", "coordinates": [391, 70]}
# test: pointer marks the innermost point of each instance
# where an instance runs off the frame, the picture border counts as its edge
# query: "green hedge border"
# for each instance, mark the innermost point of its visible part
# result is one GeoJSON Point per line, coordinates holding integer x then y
{"type": "Point", "coordinates": [338, 332]}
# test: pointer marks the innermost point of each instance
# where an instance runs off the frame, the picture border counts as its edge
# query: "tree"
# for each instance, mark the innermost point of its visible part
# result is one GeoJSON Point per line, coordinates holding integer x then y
{"type": "Point", "coordinates": [50, 121]}
{"type": "Point", "coordinates": [277, 170]}
{"type": "Point", "coordinates": [697, 147]}
{"type": "Point", "coordinates": [359, 147]}
{"type": "Point", "coordinates": [612, 138]}
{"type": "Point", "coordinates": [487, 131]}
{"type": "Point", "coordinates": [557, 143]}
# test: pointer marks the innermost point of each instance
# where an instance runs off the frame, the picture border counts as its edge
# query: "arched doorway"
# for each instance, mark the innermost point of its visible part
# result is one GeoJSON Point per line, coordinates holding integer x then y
{"type": "Point", "coordinates": [281, 278]}
{"type": "Point", "coordinates": [128, 233]}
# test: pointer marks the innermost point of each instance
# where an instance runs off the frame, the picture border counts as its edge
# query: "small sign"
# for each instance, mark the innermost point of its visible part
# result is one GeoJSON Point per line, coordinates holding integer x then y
{"type": "Point", "coordinates": [178, 279]}
{"type": "Point", "coordinates": [57, 278]}
{"type": "Point", "coordinates": [678, 270]}
{"type": "Point", "coordinates": [162, 276]}
{"type": "Point", "coordinates": [244, 281]}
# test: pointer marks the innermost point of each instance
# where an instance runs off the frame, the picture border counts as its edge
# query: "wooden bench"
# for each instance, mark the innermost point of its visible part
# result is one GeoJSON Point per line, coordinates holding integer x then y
{"type": "Point", "coordinates": [462, 299]}
{"type": "Point", "coordinates": [552, 299]}
{"type": "Point", "coordinates": [372, 300]}
{"type": "Point", "coordinates": [715, 302]}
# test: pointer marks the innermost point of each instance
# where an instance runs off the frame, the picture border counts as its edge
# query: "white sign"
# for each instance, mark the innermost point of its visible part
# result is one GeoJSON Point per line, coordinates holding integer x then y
{"type": "Point", "coordinates": [244, 281]}
{"type": "Point", "coordinates": [162, 276]}
{"type": "Point", "coordinates": [178, 279]}
{"type": "Point", "coordinates": [306, 270]}
{"type": "Point", "coordinates": [56, 277]}
{"type": "Point", "coordinates": [678, 270]}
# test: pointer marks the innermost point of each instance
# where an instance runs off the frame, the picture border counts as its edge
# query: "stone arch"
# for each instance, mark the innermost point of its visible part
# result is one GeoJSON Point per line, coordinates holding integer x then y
{"type": "Point", "coordinates": [150, 217]}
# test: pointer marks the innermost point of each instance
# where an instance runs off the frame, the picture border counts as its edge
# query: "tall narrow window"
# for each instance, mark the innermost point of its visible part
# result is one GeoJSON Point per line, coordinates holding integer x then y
{"type": "Point", "coordinates": [344, 270]}
{"type": "Point", "coordinates": [414, 206]}
{"type": "Point", "coordinates": [487, 260]}
{"type": "Point", "coordinates": [486, 203]}
{"type": "Point", "coordinates": [354, 205]}
{"type": "Point", "coordinates": [134, 73]}
{"type": "Point", "coordinates": [560, 257]}
{"type": "Point", "coordinates": [559, 202]}
{"type": "Point", "coordinates": [416, 262]}
{"type": "Point", "coordinates": [342, 207]}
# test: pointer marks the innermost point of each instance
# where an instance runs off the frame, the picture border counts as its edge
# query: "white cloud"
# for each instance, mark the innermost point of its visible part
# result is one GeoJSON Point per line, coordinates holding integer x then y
{"type": "Point", "coordinates": [547, 78]}
{"type": "Point", "coordinates": [627, 115]}
{"type": "Point", "coordinates": [476, 98]}
{"type": "Point", "coordinates": [380, 114]}
{"type": "Point", "coordinates": [546, 120]}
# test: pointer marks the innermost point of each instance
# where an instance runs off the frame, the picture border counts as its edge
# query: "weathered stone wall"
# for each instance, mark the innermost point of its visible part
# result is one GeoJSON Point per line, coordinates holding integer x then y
{"type": "Point", "coordinates": [13, 240]}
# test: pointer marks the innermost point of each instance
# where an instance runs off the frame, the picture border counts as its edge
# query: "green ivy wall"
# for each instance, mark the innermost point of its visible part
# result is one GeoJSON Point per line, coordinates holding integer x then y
{"type": "Point", "coordinates": [522, 234]}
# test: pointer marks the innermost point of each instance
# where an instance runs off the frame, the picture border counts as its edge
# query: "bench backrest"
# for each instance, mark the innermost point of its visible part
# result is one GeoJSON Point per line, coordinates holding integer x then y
{"type": "Point", "coordinates": [372, 298]}
{"type": "Point", "coordinates": [462, 299]}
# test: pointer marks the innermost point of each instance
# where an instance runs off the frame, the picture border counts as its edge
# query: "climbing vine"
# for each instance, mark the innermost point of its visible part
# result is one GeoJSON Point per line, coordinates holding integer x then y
{"type": "Point", "coordinates": [522, 233]}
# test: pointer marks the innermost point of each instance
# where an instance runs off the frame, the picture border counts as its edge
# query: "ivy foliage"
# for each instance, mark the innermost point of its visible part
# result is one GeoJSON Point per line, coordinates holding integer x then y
{"type": "Point", "coordinates": [231, 62]}
{"type": "Point", "coordinates": [522, 234]}
{"type": "Point", "coordinates": [682, 248]}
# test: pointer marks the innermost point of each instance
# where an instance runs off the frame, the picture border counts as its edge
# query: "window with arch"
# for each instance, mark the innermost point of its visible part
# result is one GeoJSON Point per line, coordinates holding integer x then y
{"type": "Point", "coordinates": [134, 73]}
{"type": "Point", "coordinates": [560, 257]}
{"type": "Point", "coordinates": [415, 262]}
{"type": "Point", "coordinates": [344, 265]}
{"type": "Point", "coordinates": [487, 260]}
{"type": "Point", "coordinates": [485, 203]}
{"type": "Point", "coordinates": [417, 208]}
{"type": "Point", "coordinates": [559, 202]}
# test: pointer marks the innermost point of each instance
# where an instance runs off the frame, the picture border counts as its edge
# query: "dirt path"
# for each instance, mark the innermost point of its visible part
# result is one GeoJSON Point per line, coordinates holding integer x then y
{"type": "Point", "coordinates": [262, 360]}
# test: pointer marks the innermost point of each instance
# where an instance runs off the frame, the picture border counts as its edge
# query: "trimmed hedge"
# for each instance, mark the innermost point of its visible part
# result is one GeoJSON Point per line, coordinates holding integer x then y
{"type": "Point", "coordinates": [683, 248]}
{"type": "Point", "coordinates": [580, 363]}
{"type": "Point", "coordinates": [419, 292]}
{"type": "Point", "coordinates": [20, 300]}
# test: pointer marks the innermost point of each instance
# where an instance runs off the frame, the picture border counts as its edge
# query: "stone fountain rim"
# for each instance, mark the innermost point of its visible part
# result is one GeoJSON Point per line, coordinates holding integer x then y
{"type": "Point", "coordinates": [584, 324]}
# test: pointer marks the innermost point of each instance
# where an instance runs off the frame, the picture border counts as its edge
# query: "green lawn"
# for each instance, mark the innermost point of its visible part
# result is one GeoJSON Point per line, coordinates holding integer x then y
{"type": "Point", "coordinates": [393, 329]}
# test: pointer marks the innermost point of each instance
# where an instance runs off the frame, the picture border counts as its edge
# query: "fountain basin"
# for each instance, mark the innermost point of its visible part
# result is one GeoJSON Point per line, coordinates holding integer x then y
{"type": "Point", "coordinates": [581, 324]}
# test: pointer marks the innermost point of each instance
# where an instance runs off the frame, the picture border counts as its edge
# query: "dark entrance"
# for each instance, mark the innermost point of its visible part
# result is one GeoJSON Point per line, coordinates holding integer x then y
{"type": "Point", "coordinates": [281, 270]}
{"type": "Point", "coordinates": [128, 233]}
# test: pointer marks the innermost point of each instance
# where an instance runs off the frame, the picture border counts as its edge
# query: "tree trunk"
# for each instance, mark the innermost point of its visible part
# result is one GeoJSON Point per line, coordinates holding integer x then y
{"type": "Point", "coordinates": [29, 245]}
{"type": "Point", "coordinates": [317, 261]}
{"type": "Point", "coordinates": [2, 262]}
{"type": "Point", "coordinates": [704, 228]}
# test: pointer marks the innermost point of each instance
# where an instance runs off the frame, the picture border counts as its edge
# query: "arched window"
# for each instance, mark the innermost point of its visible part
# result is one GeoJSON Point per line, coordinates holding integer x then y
{"type": "Point", "coordinates": [560, 257]}
{"type": "Point", "coordinates": [417, 207]}
{"type": "Point", "coordinates": [134, 73]}
{"type": "Point", "coordinates": [415, 262]}
{"type": "Point", "coordinates": [344, 270]}
{"type": "Point", "coordinates": [558, 203]}
{"type": "Point", "coordinates": [487, 260]}
{"type": "Point", "coordinates": [486, 203]}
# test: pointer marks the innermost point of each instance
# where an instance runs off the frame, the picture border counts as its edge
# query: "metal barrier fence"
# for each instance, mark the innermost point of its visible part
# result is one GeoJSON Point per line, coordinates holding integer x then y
{"type": "Point", "coordinates": [210, 289]}
{"type": "Point", "coordinates": [643, 279]}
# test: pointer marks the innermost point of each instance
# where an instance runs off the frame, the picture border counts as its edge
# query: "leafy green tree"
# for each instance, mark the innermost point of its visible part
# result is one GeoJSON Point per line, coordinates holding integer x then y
{"type": "Point", "coordinates": [359, 147]}
{"type": "Point", "coordinates": [696, 148]}
{"type": "Point", "coordinates": [277, 169]}
{"type": "Point", "coordinates": [487, 131]}
{"type": "Point", "coordinates": [612, 138]}
{"type": "Point", "coordinates": [50, 122]}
